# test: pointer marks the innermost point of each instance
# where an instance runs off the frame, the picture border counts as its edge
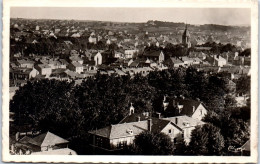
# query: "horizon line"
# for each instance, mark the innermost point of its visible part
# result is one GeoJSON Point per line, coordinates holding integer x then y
{"type": "Point", "coordinates": [239, 25]}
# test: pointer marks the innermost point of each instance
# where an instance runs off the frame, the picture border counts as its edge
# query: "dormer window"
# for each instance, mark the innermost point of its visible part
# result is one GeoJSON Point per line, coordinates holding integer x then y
{"type": "Point", "coordinates": [130, 131]}
{"type": "Point", "coordinates": [186, 124]}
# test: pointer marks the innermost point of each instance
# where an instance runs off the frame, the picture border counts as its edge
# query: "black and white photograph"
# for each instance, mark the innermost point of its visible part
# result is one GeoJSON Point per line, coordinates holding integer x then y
{"type": "Point", "coordinates": [131, 81]}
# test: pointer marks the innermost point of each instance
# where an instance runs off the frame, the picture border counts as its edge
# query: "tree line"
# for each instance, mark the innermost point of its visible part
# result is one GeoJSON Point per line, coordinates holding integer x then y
{"type": "Point", "coordinates": [70, 110]}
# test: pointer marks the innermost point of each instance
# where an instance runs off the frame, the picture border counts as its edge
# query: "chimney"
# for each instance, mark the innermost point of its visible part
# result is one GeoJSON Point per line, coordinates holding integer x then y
{"type": "Point", "coordinates": [176, 120]}
{"type": "Point", "coordinates": [158, 114]}
{"type": "Point", "coordinates": [138, 118]}
{"type": "Point", "coordinates": [149, 122]}
{"type": "Point", "coordinates": [17, 135]}
{"type": "Point", "coordinates": [164, 98]}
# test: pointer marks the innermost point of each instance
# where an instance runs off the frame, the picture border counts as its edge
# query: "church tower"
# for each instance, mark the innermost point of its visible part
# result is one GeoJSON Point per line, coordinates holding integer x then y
{"type": "Point", "coordinates": [186, 38]}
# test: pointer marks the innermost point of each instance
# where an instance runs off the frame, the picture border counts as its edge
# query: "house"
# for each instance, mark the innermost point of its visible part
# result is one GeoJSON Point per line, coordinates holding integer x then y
{"type": "Point", "coordinates": [92, 39]}
{"type": "Point", "coordinates": [196, 60]}
{"type": "Point", "coordinates": [97, 58]}
{"type": "Point", "coordinates": [12, 91]}
{"type": "Point", "coordinates": [129, 52]}
{"type": "Point", "coordinates": [23, 73]}
{"type": "Point", "coordinates": [183, 106]}
{"type": "Point", "coordinates": [119, 54]}
{"type": "Point", "coordinates": [174, 62]}
{"type": "Point", "coordinates": [157, 56]}
{"type": "Point", "coordinates": [63, 63]}
{"type": "Point", "coordinates": [76, 67]}
{"type": "Point", "coordinates": [187, 61]}
{"type": "Point", "coordinates": [75, 35]}
{"type": "Point", "coordinates": [59, 74]}
{"type": "Point", "coordinates": [44, 69]}
{"type": "Point", "coordinates": [25, 63]}
{"type": "Point", "coordinates": [49, 141]}
{"type": "Point", "coordinates": [42, 143]}
{"type": "Point", "coordinates": [76, 59]}
{"type": "Point", "coordinates": [245, 149]}
{"type": "Point", "coordinates": [187, 124]}
{"type": "Point", "coordinates": [119, 135]}
{"type": "Point", "coordinates": [219, 61]}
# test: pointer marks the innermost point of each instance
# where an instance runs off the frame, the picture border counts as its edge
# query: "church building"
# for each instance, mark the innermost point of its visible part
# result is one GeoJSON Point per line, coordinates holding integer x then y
{"type": "Point", "coordinates": [186, 38]}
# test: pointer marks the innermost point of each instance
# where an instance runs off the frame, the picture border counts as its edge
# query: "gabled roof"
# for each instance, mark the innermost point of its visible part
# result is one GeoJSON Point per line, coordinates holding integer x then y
{"type": "Point", "coordinates": [63, 61]}
{"type": "Point", "coordinates": [188, 104]}
{"type": "Point", "coordinates": [153, 53]}
{"type": "Point", "coordinates": [22, 61]}
{"type": "Point", "coordinates": [121, 130]}
{"type": "Point", "coordinates": [246, 146]}
{"type": "Point", "coordinates": [134, 117]}
{"type": "Point", "coordinates": [175, 60]}
{"type": "Point", "coordinates": [185, 58]}
{"type": "Point", "coordinates": [159, 124]}
{"type": "Point", "coordinates": [47, 139]}
{"type": "Point", "coordinates": [44, 66]}
{"type": "Point", "coordinates": [76, 64]}
{"type": "Point", "coordinates": [182, 120]}
{"type": "Point", "coordinates": [75, 58]}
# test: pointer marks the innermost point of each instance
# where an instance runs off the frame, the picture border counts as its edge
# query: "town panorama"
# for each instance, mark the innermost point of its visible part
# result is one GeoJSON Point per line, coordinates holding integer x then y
{"type": "Point", "coordinates": [112, 88]}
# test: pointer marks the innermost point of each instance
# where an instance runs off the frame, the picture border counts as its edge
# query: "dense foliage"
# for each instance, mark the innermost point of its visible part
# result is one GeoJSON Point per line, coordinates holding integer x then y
{"type": "Point", "coordinates": [148, 143]}
{"type": "Point", "coordinates": [71, 110]}
{"type": "Point", "coordinates": [206, 140]}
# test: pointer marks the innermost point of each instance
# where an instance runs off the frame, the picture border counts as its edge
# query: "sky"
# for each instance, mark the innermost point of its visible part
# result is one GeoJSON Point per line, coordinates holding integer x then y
{"type": "Point", "coordinates": [223, 16]}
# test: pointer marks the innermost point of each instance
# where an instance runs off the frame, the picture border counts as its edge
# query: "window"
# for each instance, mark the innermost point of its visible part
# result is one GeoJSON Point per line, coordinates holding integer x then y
{"type": "Point", "coordinates": [170, 131]}
{"type": "Point", "coordinates": [174, 140]}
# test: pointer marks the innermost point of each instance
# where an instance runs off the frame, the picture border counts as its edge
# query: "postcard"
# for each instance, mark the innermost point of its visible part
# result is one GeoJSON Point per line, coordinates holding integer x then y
{"type": "Point", "coordinates": [130, 81]}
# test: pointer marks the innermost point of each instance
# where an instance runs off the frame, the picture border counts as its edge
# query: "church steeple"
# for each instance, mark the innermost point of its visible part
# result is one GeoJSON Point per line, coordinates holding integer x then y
{"type": "Point", "coordinates": [186, 37]}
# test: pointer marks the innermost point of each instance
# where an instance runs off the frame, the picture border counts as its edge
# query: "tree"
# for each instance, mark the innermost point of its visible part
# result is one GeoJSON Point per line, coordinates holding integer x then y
{"type": "Point", "coordinates": [48, 105]}
{"type": "Point", "coordinates": [206, 140]}
{"type": "Point", "coordinates": [149, 143]}
{"type": "Point", "coordinates": [233, 128]}
{"type": "Point", "coordinates": [246, 52]}
{"type": "Point", "coordinates": [181, 147]}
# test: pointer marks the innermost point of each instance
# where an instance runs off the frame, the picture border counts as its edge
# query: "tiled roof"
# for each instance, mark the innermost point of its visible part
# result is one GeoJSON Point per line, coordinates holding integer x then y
{"type": "Point", "coordinates": [44, 66]}
{"type": "Point", "coordinates": [134, 117]}
{"type": "Point", "coordinates": [48, 138]}
{"type": "Point", "coordinates": [182, 120]}
{"type": "Point", "coordinates": [185, 58]}
{"type": "Point", "coordinates": [152, 53]}
{"type": "Point", "coordinates": [158, 124]}
{"type": "Point", "coordinates": [187, 105]}
{"type": "Point", "coordinates": [176, 60]}
{"type": "Point", "coordinates": [25, 61]}
{"type": "Point", "coordinates": [76, 64]}
{"type": "Point", "coordinates": [75, 58]}
{"type": "Point", "coordinates": [121, 130]}
{"type": "Point", "coordinates": [246, 146]}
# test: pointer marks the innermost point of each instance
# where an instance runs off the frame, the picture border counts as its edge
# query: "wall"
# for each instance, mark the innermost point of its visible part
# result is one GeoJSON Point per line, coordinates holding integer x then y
{"type": "Point", "coordinates": [199, 113]}
{"type": "Point", "coordinates": [174, 131]}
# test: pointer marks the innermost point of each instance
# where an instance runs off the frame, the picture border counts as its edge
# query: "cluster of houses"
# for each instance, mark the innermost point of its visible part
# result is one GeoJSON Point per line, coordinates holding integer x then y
{"type": "Point", "coordinates": [129, 59]}
{"type": "Point", "coordinates": [179, 116]}
{"type": "Point", "coordinates": [36, 143]}
{"type": "Point", "coordinates": [177, 120]}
